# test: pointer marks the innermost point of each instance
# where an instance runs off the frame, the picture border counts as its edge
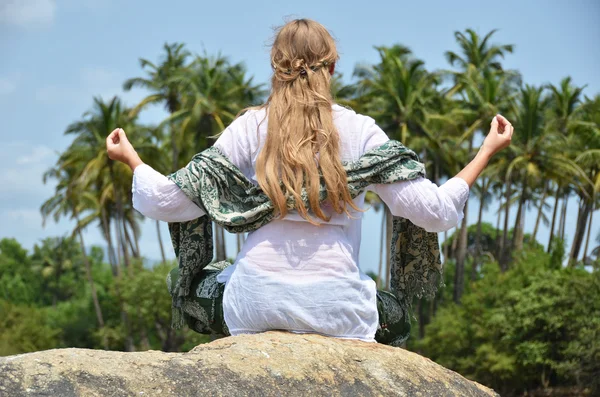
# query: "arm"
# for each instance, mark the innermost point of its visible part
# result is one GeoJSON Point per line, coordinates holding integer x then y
{"type": "Point", "coordinates": [497, 139]}
{"type": "Point", "coordinates": [421, 201]}
{"type": "Point", "coordinates": [154, 195]}
{"type": "Point", "coordinates": [157, 197]}
{"type": "Point", "coordinates": [424, 203]}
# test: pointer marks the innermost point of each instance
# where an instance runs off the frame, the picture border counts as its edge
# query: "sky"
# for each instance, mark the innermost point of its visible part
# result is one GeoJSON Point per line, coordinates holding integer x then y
{"type": "Point", "coordinates": [56, 55]}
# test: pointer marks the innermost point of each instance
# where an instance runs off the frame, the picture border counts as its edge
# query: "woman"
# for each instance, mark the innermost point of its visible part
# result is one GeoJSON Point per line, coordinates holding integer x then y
{"type": "Point", "coordinates": [300, 272]}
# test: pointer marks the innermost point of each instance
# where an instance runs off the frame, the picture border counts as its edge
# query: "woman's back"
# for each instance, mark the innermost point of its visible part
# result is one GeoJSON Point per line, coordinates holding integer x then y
{"type": "Point", "coordinates": [287, 263]}
{"type": "Point", "coordinates": [243, 140]}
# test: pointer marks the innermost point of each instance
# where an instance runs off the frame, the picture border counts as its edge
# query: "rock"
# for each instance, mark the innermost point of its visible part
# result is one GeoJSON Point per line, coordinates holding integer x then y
{"type": "Point", "coordinates": [268, 364]}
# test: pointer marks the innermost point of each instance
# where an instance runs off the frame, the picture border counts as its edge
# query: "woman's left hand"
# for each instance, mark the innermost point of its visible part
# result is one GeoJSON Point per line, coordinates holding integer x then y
{"type": "Point", "coordinates": [119, 148]}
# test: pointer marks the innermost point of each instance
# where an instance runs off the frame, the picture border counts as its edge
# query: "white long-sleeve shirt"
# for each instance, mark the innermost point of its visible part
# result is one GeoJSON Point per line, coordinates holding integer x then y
{"type": "Point", "coordinates": [293, 275]}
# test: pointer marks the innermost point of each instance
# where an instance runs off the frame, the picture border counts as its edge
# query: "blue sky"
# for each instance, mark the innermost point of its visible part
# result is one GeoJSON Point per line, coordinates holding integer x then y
{"type": "Point", "coordinates": [57, 54]}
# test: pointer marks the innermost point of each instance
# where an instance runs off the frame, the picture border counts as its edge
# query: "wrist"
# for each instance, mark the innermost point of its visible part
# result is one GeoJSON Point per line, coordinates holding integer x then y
{"type": "Point", "coordinates": [485, 153]}
{"type": "Point", "coordinates": [134, 160]}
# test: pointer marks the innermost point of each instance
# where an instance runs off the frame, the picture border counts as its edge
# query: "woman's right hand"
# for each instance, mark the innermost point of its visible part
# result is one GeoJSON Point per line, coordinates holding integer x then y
{"type": "Point", "coordinates": [499, 136]}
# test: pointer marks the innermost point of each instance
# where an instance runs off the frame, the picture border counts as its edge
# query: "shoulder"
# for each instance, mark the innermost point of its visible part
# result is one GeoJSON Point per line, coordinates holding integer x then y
{"type": "Point", "coordinates": [242, 126]}
{"type": "Point", "coordinates": [349, 117]}
{"type": "Point", "coordinates": [249, 118]}
{"type": "Point", "coordinates": [238, 139]}
{"type": "Point", "coordinates": [355, 131]}
{"type": "Point", "coordinates": [364, 128]}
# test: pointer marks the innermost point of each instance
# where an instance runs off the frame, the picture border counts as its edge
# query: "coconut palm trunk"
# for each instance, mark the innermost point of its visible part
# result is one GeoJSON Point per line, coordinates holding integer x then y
{"type": "Point", "coordinates": [388, 238]}
{"type": "Point", "coordinates": [589, 232]}
{"type": "Point", "coordinates": [459, 279]}
{"type": "Point", "coordinates": [517, 242]}
{"type": "Point", "coordinates": [563, 216]}
{"type": "Point", "coordinates": [122, 246]}
{"type": "Point", "coordinates": [459, 275]}
{"type": "Point", "coordinates": [540, 212]}
{"type": "Point", "coordinates": [88, 273]}
{"type": "Point", "coordinates": [112, 257]}
{"type": "Point", "coordinates": [129, 241]}
{"type": "Point", "coordinates": [582, 218]}
{"type": "Point", "coordinates": [160, 243]}
{"type": "Point", "coordinates": [556, 199]}
{"type": "Point", "coordinates": [381, 252]}
{"type": "Point", "coordinates": [445, 249]}
{"type": "Point", "coordinates": [219, 246]}
{"type": "Point", "coordinates": [478, 248]}
{"type": "Point", "coordinates": [498, 218]}
{"type": "Point", "coordinates": [224, 246]}
{"type": "Point", "coordinates": [136, 240]}
{"type": "Point", "coordinates": [503, 254]}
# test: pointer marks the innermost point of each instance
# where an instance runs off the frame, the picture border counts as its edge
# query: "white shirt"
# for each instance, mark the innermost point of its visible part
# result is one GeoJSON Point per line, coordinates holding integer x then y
{"type": "Point", "coordinates": [290, 274]}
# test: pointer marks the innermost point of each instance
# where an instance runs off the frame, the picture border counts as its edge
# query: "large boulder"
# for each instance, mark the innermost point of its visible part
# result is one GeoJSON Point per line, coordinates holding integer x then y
{"type": "Point", "coordinates": [268, 364]}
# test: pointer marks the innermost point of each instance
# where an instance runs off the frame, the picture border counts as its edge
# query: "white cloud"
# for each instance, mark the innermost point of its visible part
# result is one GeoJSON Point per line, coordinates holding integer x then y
{"type": "Point", "coordinates": [53, 93]}
{"type": "Point", "coordinates": [98, 81]}
{"type": "Point", "coordinates": [38, 155]}
{"type": "Point", "coordinates": [8, 84]}
{"type": "Point", "coordinates": [27, 13]}
{"type": "Point", "coordinates": [88, 4]}
{"type": "Point", "coordinates": [30, 218]}
{"type": "Point", "coordinates": [98, 76]}
{"type": "Point", "coordinates": [24, 166]}
{"type": "Point", "coordinates": [90, 82]}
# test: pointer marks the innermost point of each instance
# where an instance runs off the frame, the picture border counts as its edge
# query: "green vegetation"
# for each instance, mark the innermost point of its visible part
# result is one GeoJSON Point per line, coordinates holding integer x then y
{"type": "Point", "coordinates": [513, 315]}
{"type": "Point", "coordinates": [531, 327]}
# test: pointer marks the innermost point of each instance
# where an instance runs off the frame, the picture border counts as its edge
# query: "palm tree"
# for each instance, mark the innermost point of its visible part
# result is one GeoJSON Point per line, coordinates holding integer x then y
{"type": "Point", "coordinates": [162, 83]}
{"type": "Point", "coordinates": [484, 88]}
{"type": "Point", "coordinates": [397, 92]}
{"type": "Point", "coordinates": [96, 169]}
{"type": "Point", "coordinates": [214, 90]}
{"type": "Point", "coordinates": [54, 258]}
{"type": "Point", "coordinates": [345, 95]}
{"type": "Point", "coordinates": [485, 198]}
{"type": "Point", "coordinates": [587, 135]}
{"type": "Point", "coordinates": [541, 207]}
{"type": "Point", "coordinates": [537, 152]}
{"type": "Point", "coordinates": [483, 94]}
{"type": "Point", "coordinates": [110, 182]}
{"type": "Point", "coordinates": [564, 100]}
{"type": "Point", "coordinates": [477, 52]}
{"type": "Point", "coordinates": [65, 203]}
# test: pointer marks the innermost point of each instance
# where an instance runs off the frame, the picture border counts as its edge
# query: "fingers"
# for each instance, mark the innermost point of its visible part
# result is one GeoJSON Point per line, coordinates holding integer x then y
{"type": "Point", "coordinates": [504, 124]}
{"type": "Point", "coordinates": [116, 136]}
{"type": "Point", "coordinates": [123, 135]}
{"type": "Point", "coordinates": [110, 139]}
{"type": "Point", "coordinates": [113, 141]}
{"type": "Point", "coordinates": [502, 119]}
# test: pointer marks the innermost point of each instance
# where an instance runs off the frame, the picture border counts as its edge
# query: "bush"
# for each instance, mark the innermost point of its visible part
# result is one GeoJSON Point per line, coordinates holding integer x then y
{"type": "Point", "coordinates": [534, 326]}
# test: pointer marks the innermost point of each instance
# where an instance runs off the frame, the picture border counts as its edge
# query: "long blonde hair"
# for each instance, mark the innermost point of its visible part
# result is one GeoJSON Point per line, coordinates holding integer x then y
{"type": "Point", "coordinates": [302, 144]}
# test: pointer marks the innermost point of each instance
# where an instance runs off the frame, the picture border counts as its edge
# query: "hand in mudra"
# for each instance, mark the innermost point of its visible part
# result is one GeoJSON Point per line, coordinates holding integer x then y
{"type": "Point", "coordinates": [499, 136]}
{"type": "Point", "coordinates": [119, 148]}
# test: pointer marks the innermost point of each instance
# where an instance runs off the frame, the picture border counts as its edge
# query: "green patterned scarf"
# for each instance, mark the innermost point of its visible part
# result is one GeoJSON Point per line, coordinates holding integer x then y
{"type": "Point", "coordinates": [231, 200]}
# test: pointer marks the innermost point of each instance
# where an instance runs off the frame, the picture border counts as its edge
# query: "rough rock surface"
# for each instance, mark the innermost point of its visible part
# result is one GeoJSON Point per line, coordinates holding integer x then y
{"type": "Point", "coordinates": [268, 364]}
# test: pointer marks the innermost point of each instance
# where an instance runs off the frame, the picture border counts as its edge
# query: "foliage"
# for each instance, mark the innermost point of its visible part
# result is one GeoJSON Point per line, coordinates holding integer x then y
{"type": "Point", "coordinates": [526, 328]}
